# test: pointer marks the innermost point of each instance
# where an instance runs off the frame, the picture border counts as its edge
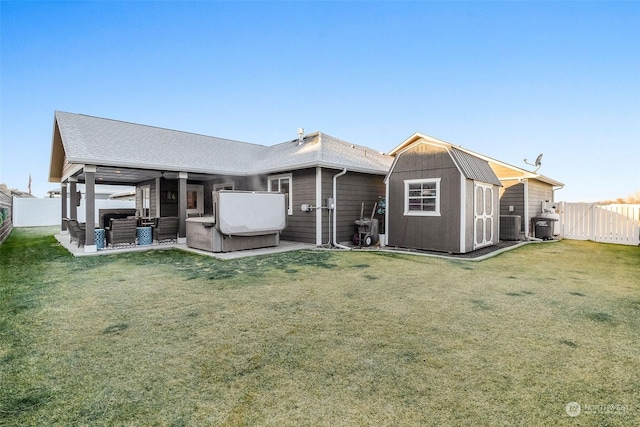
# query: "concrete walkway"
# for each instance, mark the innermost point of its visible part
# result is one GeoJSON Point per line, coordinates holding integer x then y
{"type": "Point", "coordinates": [286, 246]}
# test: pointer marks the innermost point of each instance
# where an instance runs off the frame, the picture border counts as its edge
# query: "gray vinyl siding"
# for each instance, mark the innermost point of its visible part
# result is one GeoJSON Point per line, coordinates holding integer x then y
{"type": "Point", "coordinates": [354, 189]}
{"type": "Point", "coordinates": [538, 193]}
{"type": "Point", "coordinates": [496, 218]}
{"type": "Point", "coordinates": [512, 194]}
{"type": "Point", "coordinates": [301, 226]}
{"type": "Point", "coordinates": [240, 183]}
{"type": "Point", "coordinates": [169, 207]}
{"type": "Point", "coordinates": [440, 233]}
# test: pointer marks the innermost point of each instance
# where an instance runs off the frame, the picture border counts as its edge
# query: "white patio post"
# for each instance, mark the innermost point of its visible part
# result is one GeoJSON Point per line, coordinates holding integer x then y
{"type": "Point", "coordinates": [90, 207]}
{"type": "Point", "coordinates": [73, 198]}
{"type": "Point", "coordinates": [182, 207]}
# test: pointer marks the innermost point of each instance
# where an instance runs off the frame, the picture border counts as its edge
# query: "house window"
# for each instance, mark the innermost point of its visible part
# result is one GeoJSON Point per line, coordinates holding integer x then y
{"type": "Point", "coordinates": [422, 197]}
{"type": "Point", "coordinates": [224, 186]}
{"type": "Point", "coordinates": [195, 200]}
{"type": "Point", "coordinates": [283, 184]}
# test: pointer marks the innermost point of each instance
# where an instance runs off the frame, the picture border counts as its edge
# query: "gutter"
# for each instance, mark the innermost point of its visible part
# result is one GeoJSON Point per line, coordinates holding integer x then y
{"type": "Point", "coordinates": [335, 215]}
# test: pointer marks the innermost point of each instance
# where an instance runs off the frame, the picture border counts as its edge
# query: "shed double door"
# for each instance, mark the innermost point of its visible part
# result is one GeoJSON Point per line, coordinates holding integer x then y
{"type": "Point", "coordinates": [483, 215]}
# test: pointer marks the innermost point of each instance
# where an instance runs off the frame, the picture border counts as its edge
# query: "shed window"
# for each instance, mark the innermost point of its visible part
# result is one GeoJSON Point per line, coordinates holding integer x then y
{"type": "Point", "coordinates": [422, 197]}
{"type": "Point", "coordinates": [283, 184]}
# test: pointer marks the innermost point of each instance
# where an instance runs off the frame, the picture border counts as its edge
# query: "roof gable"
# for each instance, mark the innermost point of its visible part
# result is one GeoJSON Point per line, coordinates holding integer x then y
{"type": "Point", "coordinates": [92, 140]}
{"type": "Point", "coordinates": [469, 165]}
{"type": "Point", "coordinates": [501, 169]}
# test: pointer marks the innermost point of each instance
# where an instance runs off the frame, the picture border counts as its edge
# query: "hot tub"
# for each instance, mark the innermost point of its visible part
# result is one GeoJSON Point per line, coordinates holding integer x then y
{"type": "Point", "coordinates": [243, 220]}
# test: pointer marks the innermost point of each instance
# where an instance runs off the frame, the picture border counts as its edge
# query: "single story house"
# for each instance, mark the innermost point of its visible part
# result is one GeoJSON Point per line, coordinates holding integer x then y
{"type": "Point", "coordinates": [175, 174]}
{"type": "Point", "coordinates": [445, 197]}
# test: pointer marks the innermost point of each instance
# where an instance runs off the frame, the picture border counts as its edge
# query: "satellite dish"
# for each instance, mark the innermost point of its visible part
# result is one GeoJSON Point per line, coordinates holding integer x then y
{"type": "Point", "coordinates": [537, 163]}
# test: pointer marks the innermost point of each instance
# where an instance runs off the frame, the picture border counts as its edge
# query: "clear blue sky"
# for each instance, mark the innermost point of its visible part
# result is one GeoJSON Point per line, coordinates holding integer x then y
{"type": "Point", "coordinates": [507, 79]}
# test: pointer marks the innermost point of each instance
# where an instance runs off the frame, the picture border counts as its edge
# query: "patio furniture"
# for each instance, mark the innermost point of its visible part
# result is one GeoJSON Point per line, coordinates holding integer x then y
{"type": "Point", "coordinates": [106, 215]}
{"type": "Point", "coordinates": [99, 234]}
{"type": "Point", "coordinates": [144, 235]}
{"type": "Point", "coordinates": [77, 232]}
{"type": "Point", "coordinates": [122, 231]}
{"type": "Point", "coordinates": [166, 228]}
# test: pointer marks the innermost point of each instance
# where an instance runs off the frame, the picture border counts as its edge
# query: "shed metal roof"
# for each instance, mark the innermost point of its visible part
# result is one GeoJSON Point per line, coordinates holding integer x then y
{"type": "Point", "coordinates": [474, 167]}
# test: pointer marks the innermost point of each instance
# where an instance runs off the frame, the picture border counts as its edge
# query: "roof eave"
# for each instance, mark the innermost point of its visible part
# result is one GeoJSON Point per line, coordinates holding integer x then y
{"type": "Point", "coordinates": [80, 162]}
{"type": "Point", "coordinates": [327, 165]}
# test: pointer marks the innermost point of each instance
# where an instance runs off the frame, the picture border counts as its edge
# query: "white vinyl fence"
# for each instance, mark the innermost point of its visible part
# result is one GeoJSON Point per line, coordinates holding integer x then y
{"type": "Point", "coordinates": [601, 223]}
{"type": "Point", "coordinates": [31, 212]}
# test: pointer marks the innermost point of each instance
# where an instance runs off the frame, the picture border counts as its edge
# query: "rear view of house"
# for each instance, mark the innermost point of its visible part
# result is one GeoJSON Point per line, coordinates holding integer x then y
{"type": "Point", "coordinates": [176, 174]}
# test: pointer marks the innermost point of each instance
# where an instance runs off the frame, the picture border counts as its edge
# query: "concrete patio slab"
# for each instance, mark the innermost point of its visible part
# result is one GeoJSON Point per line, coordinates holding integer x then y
{"type": "Point", "coordinates": [284, 246]}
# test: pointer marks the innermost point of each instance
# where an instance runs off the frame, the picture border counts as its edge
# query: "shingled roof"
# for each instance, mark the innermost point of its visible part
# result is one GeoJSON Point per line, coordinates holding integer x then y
{"type": "Point", "coordinates": [83, 139]}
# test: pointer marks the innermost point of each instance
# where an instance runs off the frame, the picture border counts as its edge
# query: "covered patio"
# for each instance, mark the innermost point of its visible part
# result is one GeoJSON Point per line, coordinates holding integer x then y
{"type": "Point", "coordinates": [169, 170]}
{"type": "Point", "coordinates": [158, 194]}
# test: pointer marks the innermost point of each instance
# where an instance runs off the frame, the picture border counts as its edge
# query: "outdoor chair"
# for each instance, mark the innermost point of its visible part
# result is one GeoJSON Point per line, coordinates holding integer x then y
{"type": "Point", "coordinates": [77, 232]}
{"type": "Point", "coordinates": [166, 228]}
{"type": "Point", "coordinates": [122, 231]}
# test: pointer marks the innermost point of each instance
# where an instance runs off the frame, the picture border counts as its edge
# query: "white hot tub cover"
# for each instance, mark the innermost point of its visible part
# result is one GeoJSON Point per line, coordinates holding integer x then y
{"type": "Point", "coordinates": [246, 213]}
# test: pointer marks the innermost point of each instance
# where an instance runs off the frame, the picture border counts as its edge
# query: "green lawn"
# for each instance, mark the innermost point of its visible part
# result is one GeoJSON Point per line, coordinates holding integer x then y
{"type": "Point", "coordinates": [318, 337]}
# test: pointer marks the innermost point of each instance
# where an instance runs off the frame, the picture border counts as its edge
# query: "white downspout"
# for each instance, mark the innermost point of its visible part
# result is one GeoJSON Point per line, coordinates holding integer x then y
{"type": "Point", "coordinates": [386, 213]}
{"type": "Point", "coordinates": [319, 210]}
{"type": "Point", "coordinates": [463, 213]}
{"type": "Point", "coordinates": [526, 208]}
{"type": "Point", "coordinates": [335, 210]}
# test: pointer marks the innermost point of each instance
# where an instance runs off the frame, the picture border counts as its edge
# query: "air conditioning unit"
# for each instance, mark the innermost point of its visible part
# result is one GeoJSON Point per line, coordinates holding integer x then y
{"type": "Point", "coordinates": [510, 227]}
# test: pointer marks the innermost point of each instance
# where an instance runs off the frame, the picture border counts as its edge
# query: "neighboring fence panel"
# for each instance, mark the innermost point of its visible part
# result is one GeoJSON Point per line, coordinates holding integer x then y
{"type": "Point", "coordinates": [600, 223]}
{"type": "Point", "coordinates": [40, 212]}
{"type": "Point", "coordinates": [32, 212]}
{"type": "Point", "coordinates": [5, 215]}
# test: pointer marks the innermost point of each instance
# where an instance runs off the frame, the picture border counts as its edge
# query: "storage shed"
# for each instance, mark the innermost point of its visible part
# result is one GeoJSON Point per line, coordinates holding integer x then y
{"type": "Point", "coordinates": [441, 197]}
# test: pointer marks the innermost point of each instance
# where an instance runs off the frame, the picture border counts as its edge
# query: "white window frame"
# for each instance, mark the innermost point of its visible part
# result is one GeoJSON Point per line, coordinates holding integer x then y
{"type": "Point", "coordinates": [435, 212]}
{"type": "Point", "coordinates": [224, 186]}
{"type": "Point", "coordinates": [290, 194]}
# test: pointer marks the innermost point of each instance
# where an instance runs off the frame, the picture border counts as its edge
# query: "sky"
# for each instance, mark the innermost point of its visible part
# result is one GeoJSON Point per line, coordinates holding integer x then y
{"type": "Point", "coordinates": [507, 79]}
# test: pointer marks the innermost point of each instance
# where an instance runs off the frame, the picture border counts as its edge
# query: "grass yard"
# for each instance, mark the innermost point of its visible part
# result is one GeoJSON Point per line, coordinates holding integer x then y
{"type": "Point", "coordinates": [318, 338]}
